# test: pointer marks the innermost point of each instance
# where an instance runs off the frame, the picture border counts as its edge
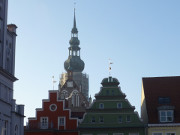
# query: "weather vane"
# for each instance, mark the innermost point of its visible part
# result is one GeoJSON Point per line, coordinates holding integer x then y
{"type": "Point", "coordinates": [53, 81]}
{"type": "Point", "coordinates": [110, 63]}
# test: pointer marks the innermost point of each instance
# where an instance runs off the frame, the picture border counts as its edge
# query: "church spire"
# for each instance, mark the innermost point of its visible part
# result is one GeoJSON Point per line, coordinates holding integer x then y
{"type": "Point", "coordinates": [74, 29]}
{"type": "Point", "coordinates": [74, 62]}
{"type": "Point", "coordinates": [74, 19]}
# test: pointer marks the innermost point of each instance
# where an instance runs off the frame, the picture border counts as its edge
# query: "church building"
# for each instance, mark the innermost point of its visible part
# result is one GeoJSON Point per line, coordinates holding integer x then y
{"type": "Point", "coordinates": [11, 114]}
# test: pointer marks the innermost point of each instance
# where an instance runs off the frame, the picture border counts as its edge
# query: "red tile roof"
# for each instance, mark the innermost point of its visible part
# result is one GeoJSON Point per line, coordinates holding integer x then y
{"type": "Point", "coordinates": [156, 87]}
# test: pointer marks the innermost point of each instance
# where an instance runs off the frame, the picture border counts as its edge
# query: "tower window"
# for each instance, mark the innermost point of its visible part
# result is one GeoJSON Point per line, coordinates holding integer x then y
{"type": "Point", "coordinates": [74, 53]}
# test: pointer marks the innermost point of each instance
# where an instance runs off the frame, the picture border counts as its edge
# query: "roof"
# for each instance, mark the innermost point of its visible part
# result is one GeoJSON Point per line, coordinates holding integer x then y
{"type": "Point", "coordinates": [161, 87]}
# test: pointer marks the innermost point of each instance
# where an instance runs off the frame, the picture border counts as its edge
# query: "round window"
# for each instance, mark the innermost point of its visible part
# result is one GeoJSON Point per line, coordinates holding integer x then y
{"type": "Point", "coordinates": [53, 107]}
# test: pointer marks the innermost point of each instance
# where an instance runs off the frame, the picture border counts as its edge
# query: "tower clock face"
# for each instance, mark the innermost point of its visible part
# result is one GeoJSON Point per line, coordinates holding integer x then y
{"type": "Point", "coordinates": [70, 84]}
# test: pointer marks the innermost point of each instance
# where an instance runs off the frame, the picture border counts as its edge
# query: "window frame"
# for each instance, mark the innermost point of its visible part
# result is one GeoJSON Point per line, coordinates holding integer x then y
{"type": "Point", "coordinates": [101, 105]}
{"type": "Point", "coordinates": [44, 125]}
{"type": "Point", "coordinates": [166, 116]}
{"type": "Point", "coordinates": [60, 122]}
{"type": "Point", "coordinates": [120, 117]}
{"type": "Point", "coordinates": [127, 118]}
{"type": "Point", "coordinates": [93, 119]}
{"type": "Point", "coordinates": [101, 119]}
{"type": "Point", "coordinates": [119, 107]}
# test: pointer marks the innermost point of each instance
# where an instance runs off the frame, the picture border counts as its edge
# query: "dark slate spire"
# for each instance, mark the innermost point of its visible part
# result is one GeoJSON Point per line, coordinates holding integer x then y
{"type": "Point", "coordinates": [74, 62]}
{"type": "Point", "coordinates": [74, 29]}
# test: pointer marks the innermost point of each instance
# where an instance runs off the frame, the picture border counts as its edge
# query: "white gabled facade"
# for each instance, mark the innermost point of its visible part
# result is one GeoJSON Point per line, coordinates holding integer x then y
{"type": "Point", "coordinates": [11, 115]}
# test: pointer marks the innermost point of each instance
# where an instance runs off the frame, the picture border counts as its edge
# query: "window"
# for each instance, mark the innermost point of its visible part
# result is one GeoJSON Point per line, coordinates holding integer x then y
{"type": "Point", "coordinates": [70, 84]}
{"type": "Point", "coordinates": [120, 119]}
{"type": "Point", "coordinates": [101, 119]}
{"type": "Point", "coordinates": [157, 134]}
{"type": "Point", "coordinates": [16, 130]}
{"type": "Point", "coordinates": [53, 107]}
{"type": "Point", "coordinates": [61, 121]}
{"type": "Point", "coordinates": [107, 92]}
{"type": "Point", "coordinates": [101, 106]}
{"type": "Point", "coordinates": [75, 99]}
{"type": "Point", "coordinates": [44, 122]}
{"type": "Point", "coordinates": [128, 118]}
{"type": "Point", "coordinates": [164, 100]}
{"type": "Point", "coordinates": [5, 128]}
{"type": "Point", "coordinates": [93, 120]}
{"type": "Point", "coordinates": [119, 105]}
{"type": "Point", "coordinates": [170, 133]}
{"type": "Point", "coordinates": [113, 92]}
{"type": "Point", "coordinates": [166, 115]}
{"type": "Point", "coordinates": [118, 133]}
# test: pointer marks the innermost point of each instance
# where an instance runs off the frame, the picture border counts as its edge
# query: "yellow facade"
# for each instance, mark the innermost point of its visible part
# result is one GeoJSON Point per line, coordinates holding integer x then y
{"type": "Point", "coordinates": [164, 130]}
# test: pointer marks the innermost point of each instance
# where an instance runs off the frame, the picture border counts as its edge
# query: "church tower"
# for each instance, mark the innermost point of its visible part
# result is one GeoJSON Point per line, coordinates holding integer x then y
{"type": "Point", "coordinates": [74, 65]}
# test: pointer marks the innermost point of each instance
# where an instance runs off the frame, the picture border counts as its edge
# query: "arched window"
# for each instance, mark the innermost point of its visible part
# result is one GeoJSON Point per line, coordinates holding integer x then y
{"type": "Point", "coordinates": [75, 99]}
{"type": "Point", "coordinates": [64, 94]}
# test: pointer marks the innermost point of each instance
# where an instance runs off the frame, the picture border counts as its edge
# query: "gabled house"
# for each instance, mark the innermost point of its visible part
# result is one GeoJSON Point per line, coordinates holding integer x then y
{"type": "Point", "coordinates": [111, 113]}
{"type": "Point", "coordinates": [52, 119]}
{"type": "Point", "coordinates": [160, 105]}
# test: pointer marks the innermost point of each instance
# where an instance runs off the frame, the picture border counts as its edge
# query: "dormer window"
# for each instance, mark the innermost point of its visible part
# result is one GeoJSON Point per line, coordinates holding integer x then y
{"type": "Point", "coordinates": [164, 100]}
{"type": "Point", "coordinates": [166, 115]}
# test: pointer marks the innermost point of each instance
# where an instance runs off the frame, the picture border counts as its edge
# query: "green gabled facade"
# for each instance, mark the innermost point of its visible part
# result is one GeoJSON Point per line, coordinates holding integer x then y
{"type": "Point", "coordinates": [111, 113]}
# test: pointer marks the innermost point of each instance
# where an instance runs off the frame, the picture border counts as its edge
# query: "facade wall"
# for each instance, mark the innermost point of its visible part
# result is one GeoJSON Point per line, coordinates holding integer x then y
{"type": "Point", "coordinates": [51, 133]}
{"type": "Point", "coordinates": [164, 130]}
{"type": "Point", "coordinates": [12, 115]}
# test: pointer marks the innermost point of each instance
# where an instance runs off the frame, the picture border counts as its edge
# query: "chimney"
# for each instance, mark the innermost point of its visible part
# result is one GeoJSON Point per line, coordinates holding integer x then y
{"type": "Point", "coordinates": [12, 28]}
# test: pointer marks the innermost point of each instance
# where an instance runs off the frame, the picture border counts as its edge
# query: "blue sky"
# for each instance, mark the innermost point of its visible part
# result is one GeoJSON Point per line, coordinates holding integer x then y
{"type": "Point", "coordinates": [141, 37]}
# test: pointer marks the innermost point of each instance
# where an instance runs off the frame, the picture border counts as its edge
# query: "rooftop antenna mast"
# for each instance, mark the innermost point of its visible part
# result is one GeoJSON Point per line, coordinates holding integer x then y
{"type": "Point", "coordinates": [110, 63]}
